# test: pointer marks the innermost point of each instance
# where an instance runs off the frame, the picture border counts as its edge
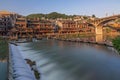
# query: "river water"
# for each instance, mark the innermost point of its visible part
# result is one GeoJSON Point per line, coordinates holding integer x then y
{"type": "Point", "coordinates": [59, 60]}
{"type": "Point", "coordinates": [3, 70]}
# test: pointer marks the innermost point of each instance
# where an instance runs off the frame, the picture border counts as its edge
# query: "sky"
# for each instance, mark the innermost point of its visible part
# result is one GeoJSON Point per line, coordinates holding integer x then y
{"type": "Point", "coordinates": [100, 8]}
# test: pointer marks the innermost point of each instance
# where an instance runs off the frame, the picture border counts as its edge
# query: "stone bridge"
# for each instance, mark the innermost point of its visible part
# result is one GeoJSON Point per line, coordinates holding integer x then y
{"type": "Point", "coordinates": [99, 23]}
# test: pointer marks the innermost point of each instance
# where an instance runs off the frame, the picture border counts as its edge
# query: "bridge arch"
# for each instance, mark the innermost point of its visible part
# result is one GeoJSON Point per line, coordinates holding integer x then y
{"type": "Point", "coordinates": [98, 24]}
{"type": "Point", "coordinates": [105, 21]}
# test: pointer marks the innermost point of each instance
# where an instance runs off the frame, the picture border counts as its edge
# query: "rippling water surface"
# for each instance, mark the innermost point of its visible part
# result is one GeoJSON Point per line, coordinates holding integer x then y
{"type": "Point", "coordinates": [58, 60]}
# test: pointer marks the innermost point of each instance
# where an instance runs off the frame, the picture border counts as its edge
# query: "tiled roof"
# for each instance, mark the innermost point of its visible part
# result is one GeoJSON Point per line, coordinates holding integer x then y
{"type": "Point", "coordinates": [5, 12]}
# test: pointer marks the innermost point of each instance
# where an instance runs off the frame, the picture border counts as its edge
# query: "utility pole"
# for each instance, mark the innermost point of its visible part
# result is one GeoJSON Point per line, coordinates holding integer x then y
{"type": "Point", "coordinates": [106, 14]}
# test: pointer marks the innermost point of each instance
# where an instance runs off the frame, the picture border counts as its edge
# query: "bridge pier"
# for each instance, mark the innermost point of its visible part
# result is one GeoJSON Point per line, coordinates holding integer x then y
{"type": "Point", "coordinates": [99, 38]}
{"type": "Point", "coordinates": [99, 30]}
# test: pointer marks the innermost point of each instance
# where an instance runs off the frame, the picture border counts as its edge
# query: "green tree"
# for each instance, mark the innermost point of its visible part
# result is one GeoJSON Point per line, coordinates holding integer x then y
{"type": "Point", "coordinates": [53, 15]}
{"type": "Point", "coordinates": [93, 16]}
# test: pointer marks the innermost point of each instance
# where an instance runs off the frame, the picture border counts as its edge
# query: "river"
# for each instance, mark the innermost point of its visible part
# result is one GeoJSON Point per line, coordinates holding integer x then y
{"type": "Point", "coordinates": [59, 60]}
{"type": "Point", "coordinates": [3, 70]}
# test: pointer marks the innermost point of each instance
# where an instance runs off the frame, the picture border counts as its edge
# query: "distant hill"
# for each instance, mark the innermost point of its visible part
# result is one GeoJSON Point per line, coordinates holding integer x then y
{"type": "Point", "coordinates": [53, 15]}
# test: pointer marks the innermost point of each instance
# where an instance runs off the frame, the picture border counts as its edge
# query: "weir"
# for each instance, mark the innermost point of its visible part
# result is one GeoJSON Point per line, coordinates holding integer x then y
{"type": "Point", "coordinates": [18, 68]}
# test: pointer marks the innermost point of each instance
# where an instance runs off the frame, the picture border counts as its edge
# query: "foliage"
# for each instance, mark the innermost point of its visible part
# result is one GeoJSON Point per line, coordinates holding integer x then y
{"type": "Point", "coordinates": [3, 48]}
{"type": "Point", "coordinates": [85, 17]}
{"type": "Point", "coordinates": [53, 15]}
{"type": "Point", "coordinates": [118, 21]}
{"type": "Point", "coordinates": [108, 30]}
{"type": "Point", "coordinates": [116, 43]}
{"type": "Point", "coordinates": [36, 15]}
{"type": "Point", "coordinates": [37, 74]}
{"type": "Point", "coordinates": [93, 16]}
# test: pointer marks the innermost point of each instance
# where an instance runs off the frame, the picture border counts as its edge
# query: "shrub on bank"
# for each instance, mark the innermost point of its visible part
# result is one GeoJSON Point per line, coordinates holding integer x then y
{"type": "Point", "coordinates": [116, 43]}
{"type": "Point", "coordinates": [3, 48]}
{"type": "Point", "coordinates": [32, 64]}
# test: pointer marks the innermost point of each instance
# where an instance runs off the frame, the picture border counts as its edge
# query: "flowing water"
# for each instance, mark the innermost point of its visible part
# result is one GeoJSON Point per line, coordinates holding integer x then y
{"type": "Point", "coordinates": [59, 60]}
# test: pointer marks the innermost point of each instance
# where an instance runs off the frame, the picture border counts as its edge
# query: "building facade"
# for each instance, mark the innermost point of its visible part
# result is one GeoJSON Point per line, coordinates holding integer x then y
{"type": "Point", "coordinates": [70, 26]}
{"type": "Point", "coordinates": [16, 26]}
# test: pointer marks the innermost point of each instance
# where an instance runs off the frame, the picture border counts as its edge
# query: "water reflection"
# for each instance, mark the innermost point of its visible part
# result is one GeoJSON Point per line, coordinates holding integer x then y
{"type": "Point", "coordinates": [58, 60]}
{"type": "Point", "coordinates": [97, 38]}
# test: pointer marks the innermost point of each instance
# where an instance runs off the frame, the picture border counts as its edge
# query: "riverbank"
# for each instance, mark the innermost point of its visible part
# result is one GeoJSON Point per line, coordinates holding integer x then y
{"type": "Point", "coordinates": [116, 43]}
{"type": "Point", "coordinates": [3, 49]}
{"type": "Point", "coordinates": [87, 40]}
{"type": "Point", "coordinates": [3, 58]}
